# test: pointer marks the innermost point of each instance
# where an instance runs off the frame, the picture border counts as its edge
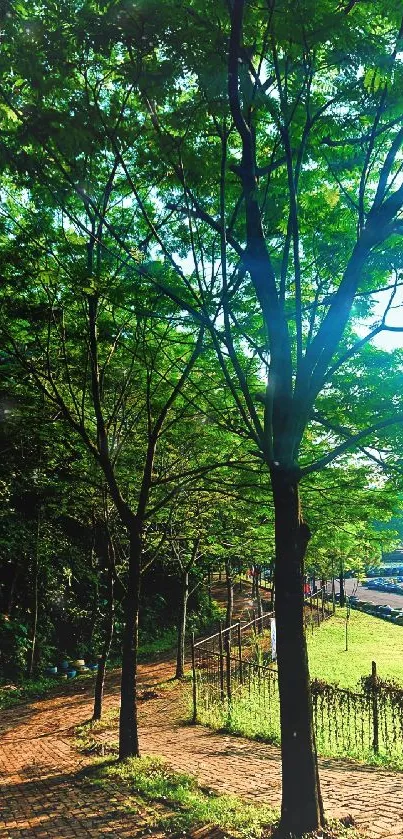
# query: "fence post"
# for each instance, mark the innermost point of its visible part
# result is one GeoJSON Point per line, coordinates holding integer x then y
{"type": "Point", "coordinates": [240, 653]}
{"type": "Point", "coordinates": [221, 656]}
{"type": "Point", "coordinates": [317, 608]}
{"type": "Point", "coordinates": [194, 717]}
{"type": "Point", "coordinates": [254, 620]}
{"type": "Point", "coordinates": [323, 605]}
{"type": "Point", "coordinates": [228, 669]}
{"type": "Point", "coordinates": [375, 715]}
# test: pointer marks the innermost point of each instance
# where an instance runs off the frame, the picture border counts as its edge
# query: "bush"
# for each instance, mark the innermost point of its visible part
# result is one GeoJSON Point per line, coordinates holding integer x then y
{"type": "Point", "coordinates": [14, 646]}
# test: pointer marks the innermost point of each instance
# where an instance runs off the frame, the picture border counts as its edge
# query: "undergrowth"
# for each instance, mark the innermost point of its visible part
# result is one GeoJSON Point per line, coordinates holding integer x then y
{"type": "Point", "coordinates": [31, 689]}
{"type": "Point", "coordinates": [176, 803]}
{"type": "Point", "coordinates": [185, 804]}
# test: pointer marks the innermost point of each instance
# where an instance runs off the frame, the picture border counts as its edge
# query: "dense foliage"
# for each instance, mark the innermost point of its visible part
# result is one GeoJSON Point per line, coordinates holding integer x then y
{"type": "Point", "coordinates": [200, 247]}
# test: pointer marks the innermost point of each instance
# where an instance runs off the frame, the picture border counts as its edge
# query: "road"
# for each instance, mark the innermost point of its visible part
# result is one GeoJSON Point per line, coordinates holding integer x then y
{"type": "Point", "coordinates": [381, 598]}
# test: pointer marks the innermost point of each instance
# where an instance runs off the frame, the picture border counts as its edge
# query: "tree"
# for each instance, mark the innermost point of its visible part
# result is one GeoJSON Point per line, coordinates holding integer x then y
{"type": "Point", "coordinates": [345, 505]}
{"type": "Point", "coordinates": [266, 194]}
{"type": "Point", "coordinates": [113, 372]}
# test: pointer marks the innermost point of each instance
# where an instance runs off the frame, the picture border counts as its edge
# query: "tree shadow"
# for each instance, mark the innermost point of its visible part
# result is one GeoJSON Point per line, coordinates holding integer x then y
{"type": "Point", "coordinates": [67, 804]}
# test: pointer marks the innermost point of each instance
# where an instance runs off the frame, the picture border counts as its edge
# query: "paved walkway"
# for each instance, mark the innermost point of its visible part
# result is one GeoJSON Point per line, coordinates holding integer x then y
{"type": "Point", "coordinates": [45, 796]}
{"type": "Point", "coordinates": [43, 792]}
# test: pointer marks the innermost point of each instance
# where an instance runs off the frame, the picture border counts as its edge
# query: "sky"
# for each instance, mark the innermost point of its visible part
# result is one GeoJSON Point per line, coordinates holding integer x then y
{"type": "Point", "coordinates": [389, 340]}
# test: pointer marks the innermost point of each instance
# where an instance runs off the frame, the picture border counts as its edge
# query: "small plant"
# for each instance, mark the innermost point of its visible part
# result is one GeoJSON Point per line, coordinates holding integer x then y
{"type": "Point", "coordinates": [12, 694]}
{"type": "Point", "coordinates": [151, 649]}
{"type": "Point", "coordinates": [153, 780]}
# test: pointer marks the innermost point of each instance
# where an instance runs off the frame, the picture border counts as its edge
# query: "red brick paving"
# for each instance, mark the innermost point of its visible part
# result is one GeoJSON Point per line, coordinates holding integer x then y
{"type": "Point", "coordinates": [44, 795]}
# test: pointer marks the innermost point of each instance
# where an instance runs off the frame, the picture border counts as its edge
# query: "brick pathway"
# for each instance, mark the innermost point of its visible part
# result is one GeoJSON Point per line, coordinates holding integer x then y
{"type": "Point", "coordinates": [45, 796]}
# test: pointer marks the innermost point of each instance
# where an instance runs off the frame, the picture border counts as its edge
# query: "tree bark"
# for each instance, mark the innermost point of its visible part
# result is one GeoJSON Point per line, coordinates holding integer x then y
{"type": "Point", "coordinates": [230, 601]}
{"type": "Point", "coordinates": [108, 635]}
{"type": "Point", "coordinates": [342, 590]}
{"type": "Point", "coordinates": [259, 607]}
{"type": "Point", "coordinates": [180, 655]}
{"type": "Point", "coordinates": [36, 597]}
{"type": "Point", "coordinates": [301, 808]}
{"type": "Point", "coordinates": [253, 592]}
{"type": "Point", "coordinates": [128, 728]}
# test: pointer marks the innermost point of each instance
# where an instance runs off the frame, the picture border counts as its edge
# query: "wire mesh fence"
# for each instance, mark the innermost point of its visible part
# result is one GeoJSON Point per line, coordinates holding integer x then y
{"type": "Point", "coordinates": [236, 688]}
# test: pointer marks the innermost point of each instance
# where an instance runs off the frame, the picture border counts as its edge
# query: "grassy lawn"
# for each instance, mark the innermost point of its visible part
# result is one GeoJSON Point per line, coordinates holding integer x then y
{"type": "Point", "coordinates": [343, 724]}
{"type": "Point", "coordinates": [369, 639]}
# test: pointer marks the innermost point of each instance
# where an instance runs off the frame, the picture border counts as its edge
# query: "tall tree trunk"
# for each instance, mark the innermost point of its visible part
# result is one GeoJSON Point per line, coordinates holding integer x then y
{"type": "Point", "coordinates": [230, 593]}
{"type": "Point", "coordinates": [230, 600]}
{"type": "Point", "coordinates": [180, 655]}
{"type": "Point", "coordinates": [259, 608]}
{"type": "Point", "coordinates": [108, 635]}
{"type": "Point", "coordinates": [342, 589]}
{"type": "Point", "coordinates": [301, 807]}
{"type": "Point", "coordinates": [36, 597]}
{"type": "Point", "coordinates": [253, 593]}
{"type": "Point", "coordinates": [128, 729]}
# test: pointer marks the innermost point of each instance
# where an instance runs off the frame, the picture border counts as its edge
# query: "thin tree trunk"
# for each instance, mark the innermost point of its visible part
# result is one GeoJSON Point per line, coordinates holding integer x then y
{"type": "Point", "coordinates": [36, 598]}
{"type": "Point", "coordinates": [259, 609]}
{"type": "Point", "coordinates": [128, 728]}
{"type": "Point", "coordinates": [180, 655]}
{"type": "Point", "coordinates": [342, 590]}
{"type": "Point", "coordinates": [92, 563]}
{"type": "Point", "coordinates": [301, 808]}
{"type": "Point", "coordinates": [230, 600]}
{"type": "Point", "coordinates": [253, 593]}
{"type": "Point", "coordinates": [108, 636]}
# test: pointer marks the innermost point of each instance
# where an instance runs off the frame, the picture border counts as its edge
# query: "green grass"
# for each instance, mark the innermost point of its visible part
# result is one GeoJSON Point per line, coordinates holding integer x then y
{"type": "Point", "coordinates": [343, 723]}
{"type": "Point", "coordinates": [175, 802]}
{"type": "Point", "coordinates": [150, 650]}
{"type": "Point", "coordinates": [183, 803]}
{"type": "Point", "coordinates": [11, 695]}
{"type": "Point", "coordinates": [86, 733]}
{"type": "Point", "coordinates": [31, 689]}
{"type": "Point", "coordinates": [338, 729]}
{"type": "Point", "coordinates": [369, 639]}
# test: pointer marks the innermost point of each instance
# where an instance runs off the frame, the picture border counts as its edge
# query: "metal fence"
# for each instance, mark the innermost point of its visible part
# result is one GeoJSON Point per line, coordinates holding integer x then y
{"type": "Point", "coordinates": [235, 687]}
